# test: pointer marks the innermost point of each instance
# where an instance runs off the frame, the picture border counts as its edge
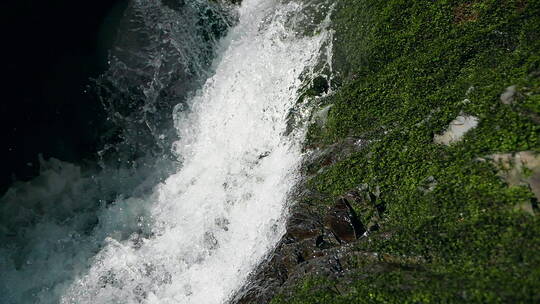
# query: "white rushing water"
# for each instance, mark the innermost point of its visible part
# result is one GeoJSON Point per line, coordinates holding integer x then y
{"type": "Point", "coordinates": [199, 234]}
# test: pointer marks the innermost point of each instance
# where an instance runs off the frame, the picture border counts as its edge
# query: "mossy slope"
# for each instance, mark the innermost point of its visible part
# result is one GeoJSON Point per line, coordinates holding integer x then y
{"type": "Point", "coordinates": [452, 232]}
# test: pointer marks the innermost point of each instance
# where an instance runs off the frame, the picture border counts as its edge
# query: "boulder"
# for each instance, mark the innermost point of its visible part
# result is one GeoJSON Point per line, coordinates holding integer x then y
{"type": "Point", "coordinates": [456, 130]}
{"type": "Point", "coordinates": [342, 221]}
{"type": "Point", "coordinates": [520, 169]}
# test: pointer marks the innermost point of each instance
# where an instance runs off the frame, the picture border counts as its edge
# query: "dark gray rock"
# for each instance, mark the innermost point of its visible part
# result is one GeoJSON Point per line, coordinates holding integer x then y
{"type": "Point", "coordinates": [343, 222]}
{"type": "Point", "coordinates": [316, 242]}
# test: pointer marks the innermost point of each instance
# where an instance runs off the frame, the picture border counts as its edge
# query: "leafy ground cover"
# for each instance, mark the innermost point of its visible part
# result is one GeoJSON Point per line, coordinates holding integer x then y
{"type": "Point", "coordinates": [453, 230]}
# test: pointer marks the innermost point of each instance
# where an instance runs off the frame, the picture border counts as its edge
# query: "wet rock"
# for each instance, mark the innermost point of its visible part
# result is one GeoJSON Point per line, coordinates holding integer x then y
{"type": "Point", "coordinates": [318, 241]}
{"type": "Point", "coordinates": [332, 264]}
{"type": "Point", "coordinates": [303, 226]}
{"type": "Point", "coordinates": [322, 158]}
{"type": "Point", "coordinates": [337, 267]}
{"type": "Point", "coordinates": [456, 130]}
{"type": "Point", "coordinates": [295, 254]}
{"type": "Point", "coordinates": [264, 282]}
{"type": "Point", "coordinates": [173, 4]}
{"type": "Point", "coordinates": [320, 85]}
{"type": "Point", "coordinates": [343, 222]}
{"type": "Point", "coordinates": [305, 240]}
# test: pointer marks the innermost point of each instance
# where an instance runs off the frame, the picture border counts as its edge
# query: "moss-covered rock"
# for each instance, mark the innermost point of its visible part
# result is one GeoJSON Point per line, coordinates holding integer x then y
{"type": "Point", "coordinates": [444, 223]}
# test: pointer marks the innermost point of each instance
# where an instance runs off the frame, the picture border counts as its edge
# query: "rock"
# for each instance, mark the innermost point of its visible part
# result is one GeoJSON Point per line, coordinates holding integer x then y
{"type": "Point", "coordinates": [262, 285]}
{"type": "Point", "coordinates": [456, 130]}
{"type": "Point", "coordinates": [509, 95]}
{"type": "Point", "coordinates": [318, 241]}
{"type": "Point", "coordinates": [320, 85]}
{"type": "Point", "coordinates": [303, 225]}
{"type": "Point", "coordinates": [343, 222]}
{"type": "Point", "coordinates": [512, 96]}
{"type": "Point", "coordinates": [320, 117]}
{"type": "Point", "coordinates": [320, 159]}
{"type": "Point", "coordinates": [525, 206]}
{"type": "Point", "coordinates": [301, 243]}
{"type": "Point", "coordinates": [470, 90]}
{"type": "Point", "coordinates": [521, 168]}
{"type": "Point", "coordinates": [428, 185]}
{"type": "Point", "coordinates": [368, 205]}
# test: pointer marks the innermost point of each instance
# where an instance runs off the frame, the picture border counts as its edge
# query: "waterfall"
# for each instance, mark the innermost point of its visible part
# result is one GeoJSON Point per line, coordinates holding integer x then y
{"type": "Point", "coordinates": [197, 235]}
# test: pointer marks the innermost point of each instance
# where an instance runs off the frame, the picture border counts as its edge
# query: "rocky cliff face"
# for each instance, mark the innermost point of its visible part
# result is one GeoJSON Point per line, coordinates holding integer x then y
{"type": "Point", "coordinates": [421, 180]}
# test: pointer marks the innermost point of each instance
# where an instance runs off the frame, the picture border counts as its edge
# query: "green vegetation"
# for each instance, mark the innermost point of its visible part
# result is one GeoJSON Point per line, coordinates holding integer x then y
{"type": "Point", "coordinates": [408, 68]}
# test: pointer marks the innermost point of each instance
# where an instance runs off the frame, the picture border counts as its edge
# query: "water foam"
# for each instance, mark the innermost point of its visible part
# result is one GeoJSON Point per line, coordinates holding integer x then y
{"type": "Point", "coordinates": [196, 237]}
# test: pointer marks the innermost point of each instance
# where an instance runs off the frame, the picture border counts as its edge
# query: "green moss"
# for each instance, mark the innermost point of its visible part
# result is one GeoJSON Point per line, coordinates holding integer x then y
{"type": "Point", "coordinates": [408, 68]}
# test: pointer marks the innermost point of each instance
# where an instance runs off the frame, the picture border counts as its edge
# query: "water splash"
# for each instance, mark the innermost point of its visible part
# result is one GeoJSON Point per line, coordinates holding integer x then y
{"type": "Point", "coordinates": [197, 235]}
{"type": "Point", "coordinates": [163, 53]}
